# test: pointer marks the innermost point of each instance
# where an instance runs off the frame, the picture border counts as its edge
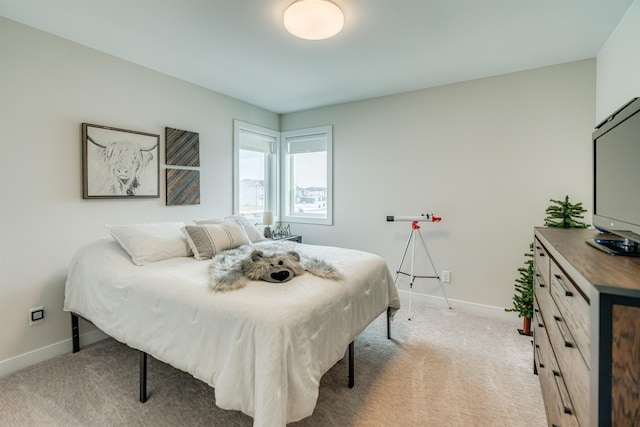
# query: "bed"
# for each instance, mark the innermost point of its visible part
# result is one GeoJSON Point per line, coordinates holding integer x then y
{"type": "Point", "coordinates": [263, 348]}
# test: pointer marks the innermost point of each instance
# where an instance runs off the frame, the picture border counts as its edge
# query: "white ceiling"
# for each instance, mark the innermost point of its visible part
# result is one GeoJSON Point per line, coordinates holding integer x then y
{"type": "Point", "coordinates": [241, 49]}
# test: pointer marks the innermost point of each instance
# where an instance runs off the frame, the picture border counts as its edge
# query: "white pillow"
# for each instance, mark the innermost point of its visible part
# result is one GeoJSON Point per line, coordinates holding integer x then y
{"type": "Point", "coordinates": [151, 242]}
{"type": "Point", "coordinates": [210, 239]}
{"type": "Point", "coordinates": [210, 221]}
{"type": "Point", "coordinates": [253, 233]}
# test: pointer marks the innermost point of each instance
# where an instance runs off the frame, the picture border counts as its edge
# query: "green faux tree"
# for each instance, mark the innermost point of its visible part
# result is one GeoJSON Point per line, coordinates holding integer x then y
{"type": "Point", "coordinates": [523, 296]}
{"type": "Point", "coordinates": [560, 214]}
{"type": "Point", "coordinates": [564, 214]}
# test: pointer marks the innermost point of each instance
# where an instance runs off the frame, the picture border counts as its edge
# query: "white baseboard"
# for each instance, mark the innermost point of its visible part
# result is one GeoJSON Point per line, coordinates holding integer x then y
{"type": "Point", "coordinates": [489, 311]}
{"type": "Point", "coordinates": [25, 360]}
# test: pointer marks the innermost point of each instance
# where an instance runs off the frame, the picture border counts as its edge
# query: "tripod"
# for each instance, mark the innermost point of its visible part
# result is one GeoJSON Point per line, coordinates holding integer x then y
{"type": "Point", "coordinates": [415, 230]}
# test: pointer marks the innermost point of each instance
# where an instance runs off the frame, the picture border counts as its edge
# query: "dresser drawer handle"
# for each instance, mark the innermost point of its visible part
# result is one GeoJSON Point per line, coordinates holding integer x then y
{"type": "Point", "coordinates": [538, 314]}
{"type": "Point", "coordinates": [540, 252]}
{"type": "Point", "coordinates": [564, 289]}
{"type": "Point", "coordinates": [540, 282]}
{"type": "Point", "coordinates": [558, 320]}
{"type": "Point", "coordinates": [567, 409]}
{"type": "Point", "coordinates": [540, 363]}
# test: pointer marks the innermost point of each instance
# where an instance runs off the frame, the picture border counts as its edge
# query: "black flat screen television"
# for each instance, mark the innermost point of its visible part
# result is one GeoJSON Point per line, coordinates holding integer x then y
{"type": "Point", "coordinates": [616, 180]}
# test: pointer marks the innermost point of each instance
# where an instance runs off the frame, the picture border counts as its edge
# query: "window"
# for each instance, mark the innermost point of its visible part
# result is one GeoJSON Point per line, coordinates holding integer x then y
{"type": "Point", "coordinates": [307, 175]}
{"type": "Point", "coordinates": [255, 169]}
{"type": "Point", "coordinates": [296, 187]}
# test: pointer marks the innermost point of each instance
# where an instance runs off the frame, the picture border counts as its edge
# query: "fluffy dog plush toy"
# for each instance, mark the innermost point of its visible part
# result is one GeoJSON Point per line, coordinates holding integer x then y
{"type": "Point", "coordinates": [232, 269]}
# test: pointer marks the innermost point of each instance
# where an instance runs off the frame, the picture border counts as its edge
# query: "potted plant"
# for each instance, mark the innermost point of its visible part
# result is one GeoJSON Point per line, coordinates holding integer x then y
{"type": "Point", "coordinates": [564, 214]}
{"type": "Point", "coordinates": [523, 296]}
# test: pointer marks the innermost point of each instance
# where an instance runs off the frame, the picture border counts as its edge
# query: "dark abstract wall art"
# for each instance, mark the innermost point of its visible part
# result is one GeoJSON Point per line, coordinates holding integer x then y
{"type": "Point", "coordinates": [183, 147]}
{"type": "Point", "coordinates": [183, 187]}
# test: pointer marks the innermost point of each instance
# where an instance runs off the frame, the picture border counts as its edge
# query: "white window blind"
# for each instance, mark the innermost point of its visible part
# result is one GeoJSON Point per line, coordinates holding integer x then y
{"type": "Point", "coordinates": [306, 144]}
{"type": "Point", "coordinates": [250, 140]}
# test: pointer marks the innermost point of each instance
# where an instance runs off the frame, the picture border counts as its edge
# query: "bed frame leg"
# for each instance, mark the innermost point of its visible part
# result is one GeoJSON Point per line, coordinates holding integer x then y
{"type": "Point", "coordinates": [351, 362]}
{"type": "Point", "coordinates": [75, 333]}
{"type": "Point", "coordinates": [388, 322]}
{"type": "Point", "coordinates": [143, 377]}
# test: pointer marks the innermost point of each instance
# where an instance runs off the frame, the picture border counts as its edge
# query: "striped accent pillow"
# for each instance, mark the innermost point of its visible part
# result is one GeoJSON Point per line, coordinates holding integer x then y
{"type": "Point", "coordinates": [210, 239]}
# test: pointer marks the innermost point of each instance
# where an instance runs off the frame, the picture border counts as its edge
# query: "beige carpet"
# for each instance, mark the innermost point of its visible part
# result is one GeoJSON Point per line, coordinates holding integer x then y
{"type": "Point", "coordinates": [442, 368]}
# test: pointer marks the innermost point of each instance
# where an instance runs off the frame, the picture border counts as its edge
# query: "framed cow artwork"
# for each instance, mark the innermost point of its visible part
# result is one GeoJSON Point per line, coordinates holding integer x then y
{"type": "Point", "coordinates": [119, 163]}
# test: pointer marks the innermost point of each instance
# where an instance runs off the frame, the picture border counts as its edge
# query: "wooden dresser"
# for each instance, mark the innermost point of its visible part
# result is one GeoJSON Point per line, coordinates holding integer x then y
{"type": "Point", "coordinates": [586, 331]}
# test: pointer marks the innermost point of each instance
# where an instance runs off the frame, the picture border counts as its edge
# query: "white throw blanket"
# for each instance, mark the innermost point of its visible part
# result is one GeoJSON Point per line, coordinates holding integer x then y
{"type": "Point", "coordinates": [264, 347]}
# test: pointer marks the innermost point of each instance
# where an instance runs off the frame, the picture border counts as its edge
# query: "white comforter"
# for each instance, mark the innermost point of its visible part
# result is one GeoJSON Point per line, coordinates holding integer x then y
{"type": "Point", "coordinates": [264, 348]}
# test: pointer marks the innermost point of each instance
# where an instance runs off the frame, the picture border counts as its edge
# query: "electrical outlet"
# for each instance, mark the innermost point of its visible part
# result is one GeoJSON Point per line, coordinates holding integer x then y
{"type": "Point", "coordinates": [446, 276]}
{"type": "Point", "coordinates": [36, 315]}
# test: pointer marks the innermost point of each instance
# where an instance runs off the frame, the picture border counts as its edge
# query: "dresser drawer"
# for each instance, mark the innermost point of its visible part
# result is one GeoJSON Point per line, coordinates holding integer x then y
{"type": "Point", "coordinates": [574, 310]}
{"type": "Point", "coordinates": [571, 365]}
{"type": "Point", "coordinates": [541, 260]}
{"type": "Point", "coordinates": [542, 348]}
{"type": "Point", "coordinates": [541, 292]}
{"type": "Point", "coordinates": [557, 402]}
{"type": "Point", "coordinates": [563, 405]}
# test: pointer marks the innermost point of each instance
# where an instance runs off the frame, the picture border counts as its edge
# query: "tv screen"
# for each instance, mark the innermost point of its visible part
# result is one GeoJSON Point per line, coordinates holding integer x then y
{"type": "Point", "coordinates": [616, 197]}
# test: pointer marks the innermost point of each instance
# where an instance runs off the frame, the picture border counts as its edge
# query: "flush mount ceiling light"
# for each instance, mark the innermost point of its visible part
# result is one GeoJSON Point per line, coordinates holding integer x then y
{"type": "Point", "coordinates": [313, 19]}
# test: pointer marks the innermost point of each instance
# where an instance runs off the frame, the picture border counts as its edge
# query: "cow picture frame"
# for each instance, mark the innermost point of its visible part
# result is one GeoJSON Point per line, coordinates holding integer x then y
{"type": "Point", "coordinates": [119, 163]}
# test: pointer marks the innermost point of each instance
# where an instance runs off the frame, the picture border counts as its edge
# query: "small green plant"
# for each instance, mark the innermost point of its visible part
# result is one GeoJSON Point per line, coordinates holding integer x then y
{"type": "Point", "coordinates": [561, 214]}
{"type": "Point", "coordinates": [523, 296]}
{"type": "Point", "coordinates": [564, 214]}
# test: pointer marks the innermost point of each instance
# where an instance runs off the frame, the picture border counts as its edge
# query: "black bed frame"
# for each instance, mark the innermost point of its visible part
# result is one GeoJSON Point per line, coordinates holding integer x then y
{"type": "Point", "coordinates": [75, 336]}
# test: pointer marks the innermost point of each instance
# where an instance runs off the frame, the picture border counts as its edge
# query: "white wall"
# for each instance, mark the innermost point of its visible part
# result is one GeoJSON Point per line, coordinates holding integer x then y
{"type": "Point", "coordinates": [618, 65]}
{"type": "Point", "coordinates": [486, 155]}
{"type": "Point", "coordinates": [49, 86]}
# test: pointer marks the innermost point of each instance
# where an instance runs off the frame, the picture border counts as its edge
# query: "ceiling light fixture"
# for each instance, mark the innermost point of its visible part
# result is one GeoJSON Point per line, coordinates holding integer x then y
{"type": "Point", "coordinates": [313, 19]}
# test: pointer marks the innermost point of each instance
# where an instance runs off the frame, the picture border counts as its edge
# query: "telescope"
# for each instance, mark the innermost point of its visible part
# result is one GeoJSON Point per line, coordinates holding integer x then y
{"type": "Point", "coordinates": [418, 218]}
{"type": "Point", "coordinates": [415, 229]}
